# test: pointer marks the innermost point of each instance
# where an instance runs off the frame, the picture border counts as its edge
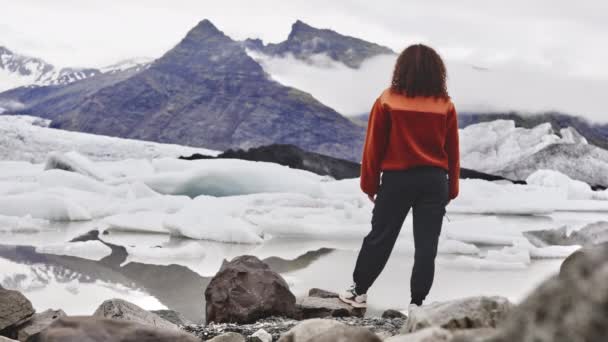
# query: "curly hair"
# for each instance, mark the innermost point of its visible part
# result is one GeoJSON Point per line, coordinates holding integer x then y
{"type": "Point", "coordinates": [420, 71]}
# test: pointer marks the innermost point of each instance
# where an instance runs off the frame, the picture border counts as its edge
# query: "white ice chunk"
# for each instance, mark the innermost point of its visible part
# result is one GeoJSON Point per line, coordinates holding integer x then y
{"type": "Point", "coordinates": [207, 218]}
{"type": "Point", "coordinates": [24, 224]}
{"type": "Point", "coordinates": [92, 250]}
{"type": "Point", "coordinates": [143, 221]}
{"type": "Point", "coordinates": [74, 162]}
{"type": "Point", "coordinates": [573, 189]}
{"type": "Point", "coordinates": [45, 206]}
{"type": "Point", "coordinates": [231, 177]}
{"type": "Point", "coordinates": [61, 178]}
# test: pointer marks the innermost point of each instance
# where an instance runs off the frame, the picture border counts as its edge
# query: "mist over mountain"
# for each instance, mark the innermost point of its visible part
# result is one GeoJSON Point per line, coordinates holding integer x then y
{"type": "Point", "coordinates": [306, 42]}
{"type": "Point", "coordinates": [206, 91]}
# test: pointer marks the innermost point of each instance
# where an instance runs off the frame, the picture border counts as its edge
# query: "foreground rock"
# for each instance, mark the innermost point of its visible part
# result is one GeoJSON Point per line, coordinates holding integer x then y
{"type": "Point", "coordinates": [277, 327]}
{"type": "Point", "coordinates": [118, 309]}
{"type": "Point", "coordinates": [431, 334]}
{"type": "Point", "coordinates": [468, 313]}
{"type": "Point", "coordinates": [105, 330]}
{"type": "Point", "coordinates": [14, 309]}
{"type": "Point", "coordinates": [592, 234]}
{"type": "Point", "coordinates": [6, 339]}
{"type": "Point", "coordinates": [228, 337]}
{"type": "Point", "coordinates": [38, 323]}
{"type": "Point", "coordinates": [246, 290]}
{"type": "Point", "coordinates": [572, 306]}
{"type": "Point", "coordinates": [322, 330]}
{"type": "Point", "coordinates": [172, 316]}
{"type": "Point", "coordinates": [315, 307]}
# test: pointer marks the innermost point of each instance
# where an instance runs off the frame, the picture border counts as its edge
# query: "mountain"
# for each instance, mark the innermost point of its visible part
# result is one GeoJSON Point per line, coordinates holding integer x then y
{"type": "Point", "coordinates": [305, 42]}
{"type": "Point", "coordinates": [206, 91]}
{"type": "Point", "coordinates": [18, 70]}
{"type": "Point", "coordinates": [500, 148]}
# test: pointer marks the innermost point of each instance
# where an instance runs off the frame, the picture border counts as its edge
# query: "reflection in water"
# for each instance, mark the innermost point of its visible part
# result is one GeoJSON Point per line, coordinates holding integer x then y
{"type": "Point", "coordinates": [177, 287]}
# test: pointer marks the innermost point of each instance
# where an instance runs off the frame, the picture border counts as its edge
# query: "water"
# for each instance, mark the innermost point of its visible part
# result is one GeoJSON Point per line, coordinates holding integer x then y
{"type": "Point", "coordinates": [164, 272]}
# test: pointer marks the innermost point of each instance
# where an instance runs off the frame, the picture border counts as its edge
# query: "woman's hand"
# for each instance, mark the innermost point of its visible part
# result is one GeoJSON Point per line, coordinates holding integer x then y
{"type": "Point", "coordinates": [371, 198]}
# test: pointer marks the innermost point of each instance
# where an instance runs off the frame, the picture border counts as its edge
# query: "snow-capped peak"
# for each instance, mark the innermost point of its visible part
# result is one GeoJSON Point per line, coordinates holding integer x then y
{"type": "Point", "coordinates": [138, 63]}
{"type": "Point", "coordinates": [19, 70]}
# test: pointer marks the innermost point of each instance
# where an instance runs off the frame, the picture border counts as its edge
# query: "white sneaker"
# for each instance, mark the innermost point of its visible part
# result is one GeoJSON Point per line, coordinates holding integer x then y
{"type": "Point", "coordinates": [351, 297]}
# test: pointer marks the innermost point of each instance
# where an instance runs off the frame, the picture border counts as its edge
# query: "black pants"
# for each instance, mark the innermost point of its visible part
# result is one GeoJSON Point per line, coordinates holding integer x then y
{"type": "Point", "coordinates": [425, 189]}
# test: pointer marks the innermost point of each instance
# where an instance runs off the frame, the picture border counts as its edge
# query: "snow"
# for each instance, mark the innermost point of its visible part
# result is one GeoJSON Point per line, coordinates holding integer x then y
{"type": "Point", "coordinates": [92, 250]}
{"type": "Point", "coordinates": [22, 140]}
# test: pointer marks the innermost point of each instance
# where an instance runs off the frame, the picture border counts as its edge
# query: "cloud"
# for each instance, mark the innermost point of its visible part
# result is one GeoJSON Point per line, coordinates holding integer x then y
{"type": "Point", "coordinates": [510, 87]}
{"type": "Point", "coordinates": [560, 36]}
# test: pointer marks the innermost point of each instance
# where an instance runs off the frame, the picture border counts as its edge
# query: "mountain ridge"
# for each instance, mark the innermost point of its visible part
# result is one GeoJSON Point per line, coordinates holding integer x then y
{"type": "Point", "coordinates": [206, 91]}
{"type": "Point", "coordinates": [305, 41]}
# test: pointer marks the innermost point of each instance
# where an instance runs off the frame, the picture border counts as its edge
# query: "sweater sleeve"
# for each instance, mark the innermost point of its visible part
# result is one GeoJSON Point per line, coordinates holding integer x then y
{"type": "Point", "coordinates": [453, 151]}
{"type": "Point", "coordinates": [373, 151]}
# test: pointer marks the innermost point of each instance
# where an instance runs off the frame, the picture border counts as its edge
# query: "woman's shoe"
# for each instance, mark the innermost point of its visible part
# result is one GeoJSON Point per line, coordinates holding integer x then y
{"type": "Point", "coordinates": [351, 297]}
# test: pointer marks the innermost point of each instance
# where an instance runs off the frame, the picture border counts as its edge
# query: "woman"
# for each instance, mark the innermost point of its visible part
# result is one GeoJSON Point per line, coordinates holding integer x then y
{"type": "Point", "coordinates": [412, 139]}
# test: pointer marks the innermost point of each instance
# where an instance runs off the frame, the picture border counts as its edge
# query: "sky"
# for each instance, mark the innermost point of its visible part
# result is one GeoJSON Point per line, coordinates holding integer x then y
{"type": "Point", "coordinates": [564, 36]}
{"type": "Point", "coordinates": [563, 40]}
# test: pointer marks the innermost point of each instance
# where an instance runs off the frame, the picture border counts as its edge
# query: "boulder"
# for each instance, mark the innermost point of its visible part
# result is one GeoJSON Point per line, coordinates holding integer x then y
{"type": "Point", "coordinates": [261, 336]}
{"type": "Point", "coordinates": [314, 307]}
{"type": "Point", "coordinates": [14, 309]}
{"type": "Point", "coordinates": [94, 329]}
{"type": "Point", "coordinates": [572, 306]}
{"type": "Point", "coordinates": [393, 314]}
{"type": "Point", "coordinates": [38, 323]}
{"type": "Point", "coordinates": [325, 330]}
{"type": "Point", "coordinates": [246, 290]}
{"type": "Point", "coordinates": [346, 334]}
{"type": "Point", "coordinates": [6, 339]}
{"type": "Point", "coordinates": [430, 334]}
{"type": "Point", "coordinates": [172, 316]}
{"type": "Point", "coordinates": [319, 293]}
{"type": "Point", "coordinates": [122, 310]}
{"type": "Point", "coordinates": [228, 337]}
{"type": "Point", "coordinates": [468, 313]}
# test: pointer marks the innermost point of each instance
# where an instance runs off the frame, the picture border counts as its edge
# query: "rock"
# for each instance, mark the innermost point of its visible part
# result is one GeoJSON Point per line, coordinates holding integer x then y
{"type": "Point", "coordinates": [245, 290]}
{"type": "Point", "coordinates": [473, 335]}
{"type": "Point", "coordinates": [88, 236]}
{"type": "Point", "coordinates": [431, 334]}
{"type": "Point", "coordinates": [572, 306]}
{"type": "Point", "coordinates": [228, 337]}
{"type": "Point", "coordinates": [321, 330]}
{"type": "Point", "coordinates": [37, 323]}
{"type": "Point", "coordinates": [393, 314]}
{"type": "Point", "coordinates": [314, 307]}
{"type": "Point", "coordinates": [261, 336]}
{"type": "Point", "coordinates": [319, 293]}
{"type": "Point", "coordinates": [94, 329]}
{"type": "Point", "coordinates": [468, 313]}
{"type": "Point", "coordinates": [6, 339]}
{"type": "Point", "coordinates": [172, 316]}
{"type": "Point", "coordinates": [346, 334]}
{"type": "Point", "coordinates": [14, 309]}
{"type": "Point", "coordinates": [295, 158]}
{"type": "Point", "coordinates": [122, 310]}
{"type": "Point", "coordinates": [308, 329]}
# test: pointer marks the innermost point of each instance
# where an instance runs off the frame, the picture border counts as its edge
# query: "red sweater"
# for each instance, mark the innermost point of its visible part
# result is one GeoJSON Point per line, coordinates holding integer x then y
{"type": "Point", "coordinates": [407, 132]}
